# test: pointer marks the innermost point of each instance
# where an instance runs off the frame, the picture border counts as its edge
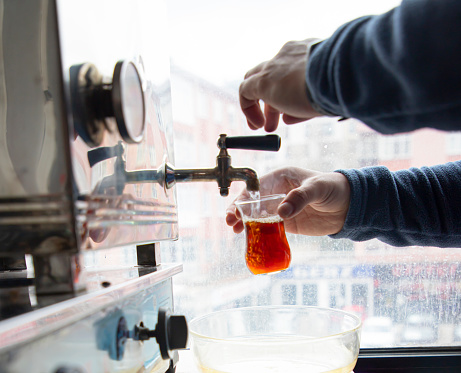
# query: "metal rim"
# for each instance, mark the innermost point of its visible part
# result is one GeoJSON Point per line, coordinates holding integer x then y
{"type": "Point", "coordinates": [117, 100]}
{"type": "Point", "coordinates": [271, 197]}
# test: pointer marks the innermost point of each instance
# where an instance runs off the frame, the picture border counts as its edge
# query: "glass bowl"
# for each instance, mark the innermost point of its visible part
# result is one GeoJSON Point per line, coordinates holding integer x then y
{"type": "Point", "coordinates": [276, 339]}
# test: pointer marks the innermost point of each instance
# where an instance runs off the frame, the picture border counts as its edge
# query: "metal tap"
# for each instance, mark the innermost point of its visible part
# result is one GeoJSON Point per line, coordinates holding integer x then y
{"type": "Point", "coordinates": [224, 174]}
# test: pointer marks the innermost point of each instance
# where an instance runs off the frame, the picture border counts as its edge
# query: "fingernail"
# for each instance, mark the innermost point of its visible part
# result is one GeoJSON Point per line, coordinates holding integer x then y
{"type": "Point", "coordinates": [285, 210]}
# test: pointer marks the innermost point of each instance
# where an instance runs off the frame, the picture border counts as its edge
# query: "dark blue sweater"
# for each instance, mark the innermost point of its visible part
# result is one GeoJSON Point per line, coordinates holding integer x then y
{"type": "Point", "coordinates": [397, 72]}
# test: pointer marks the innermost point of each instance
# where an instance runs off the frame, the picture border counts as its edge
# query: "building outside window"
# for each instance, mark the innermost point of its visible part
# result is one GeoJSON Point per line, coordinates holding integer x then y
{"type": "Point", "coordinates": [394, 147]}
{"type": "Point", "coordinates": [310, 294]}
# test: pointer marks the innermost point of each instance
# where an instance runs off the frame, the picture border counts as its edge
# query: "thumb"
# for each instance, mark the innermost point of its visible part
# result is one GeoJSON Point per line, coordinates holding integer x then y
{"type": "Point", "coordinates": [297, 200]}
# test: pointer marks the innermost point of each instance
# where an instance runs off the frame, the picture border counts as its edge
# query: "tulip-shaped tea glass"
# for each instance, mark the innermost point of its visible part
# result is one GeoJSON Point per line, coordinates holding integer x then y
{"type": "Point", "coordinates": [267, 249]}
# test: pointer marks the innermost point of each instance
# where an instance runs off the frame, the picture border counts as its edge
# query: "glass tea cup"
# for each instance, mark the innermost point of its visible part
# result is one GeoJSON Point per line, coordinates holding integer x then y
{"type": "Point", "coordinates": [267, 249]}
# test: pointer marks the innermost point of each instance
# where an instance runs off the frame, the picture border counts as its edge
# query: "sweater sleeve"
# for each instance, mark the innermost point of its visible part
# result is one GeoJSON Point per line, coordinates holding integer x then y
{"type": "Point", "coordinates": [395, 72]}
{"type": "Point", "coordinates": [419, 206]}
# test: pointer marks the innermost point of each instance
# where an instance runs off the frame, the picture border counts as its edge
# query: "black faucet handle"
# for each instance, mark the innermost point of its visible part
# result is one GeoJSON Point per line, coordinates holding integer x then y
{"type": "Point", "coordinates": [268, 142]}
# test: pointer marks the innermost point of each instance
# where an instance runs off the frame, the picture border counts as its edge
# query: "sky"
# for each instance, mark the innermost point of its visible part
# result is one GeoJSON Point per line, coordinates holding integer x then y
{"type": "Point", "coordinates": [221, 40]}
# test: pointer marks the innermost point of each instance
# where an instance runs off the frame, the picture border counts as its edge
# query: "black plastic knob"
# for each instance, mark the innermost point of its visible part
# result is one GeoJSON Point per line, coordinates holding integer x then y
{"type": "Point", "coordinates": [177, 332]}
{"type": "Point", "coordinates": [268, 143]}
{"type": "Point", "coordinates": [171, 333]}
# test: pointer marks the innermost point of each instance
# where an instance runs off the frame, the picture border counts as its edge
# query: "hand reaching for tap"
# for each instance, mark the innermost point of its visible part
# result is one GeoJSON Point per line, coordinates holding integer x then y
{"type": "Point", "coordinates": [280, 83]}
{"type": "Point", "coordinates": [316, 203]}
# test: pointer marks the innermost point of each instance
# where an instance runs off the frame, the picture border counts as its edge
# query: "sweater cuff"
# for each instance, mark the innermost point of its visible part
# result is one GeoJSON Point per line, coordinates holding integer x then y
{"type": "Point", "coordinates": [313, 103]}
{"type": "Point", "coordinates": [356, 206]}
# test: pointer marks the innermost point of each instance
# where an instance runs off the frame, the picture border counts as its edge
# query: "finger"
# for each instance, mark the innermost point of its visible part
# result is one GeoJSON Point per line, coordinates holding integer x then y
{"type": "Point", "coordinates": [297, 199]}
{"type": "Point", "coordinates": [232, 217]}
{"type": "Point", "coordinates": [249, 102]}
{"type": "Point", "coordinates": [238, 228]}
{"type": "Point", "coordinates": [254, 115]}
{"type": "Point", "coordinates": [255, 70]}
{"type": "Point", "coordinates": [272, 118]}
{"type": "Point", "coordinates": [232, 213]}
{"type": "Point", "coordinates": [252, 126]}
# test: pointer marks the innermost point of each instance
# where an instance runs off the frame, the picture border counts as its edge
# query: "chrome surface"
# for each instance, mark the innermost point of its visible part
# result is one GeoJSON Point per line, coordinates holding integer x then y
{"type": "Point", "coordinates": [34, 149]}
{"type": "Point", "coordinates": [85, 133]}
{"type": "Point", "coordinates": [124, 283]}
{"type": "Point", "coordinates": [81, 334]}
{"type": "Point", "coordinates": [113, 207]}
{"type": "Point", "coordinates": [49, 189]}
{"type": "Point", "coordinates": [35, 176]}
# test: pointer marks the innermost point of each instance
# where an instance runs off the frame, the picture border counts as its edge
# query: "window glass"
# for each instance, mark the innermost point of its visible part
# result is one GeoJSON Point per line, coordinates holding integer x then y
{"type": "Point", "coordinates": [405, 296]}
{"type": "Point", "coordinates": [288, 294]}
{"type": "Point", "coordinates": [183, 94]}
{"type": "Point", "coordinates": [218, 110]}
{"type": "Point", "coordinates": [203, 108]}
{"type": "Point", "coordinates": [310, 294]}
{"type": "Point", "coordinates": [394, 147]}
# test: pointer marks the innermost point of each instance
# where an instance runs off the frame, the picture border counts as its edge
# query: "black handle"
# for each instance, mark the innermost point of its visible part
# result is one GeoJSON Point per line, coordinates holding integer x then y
{"type": "Point", "coordinates": [171, 333]}
{"type": "Point", "coordinates": [269, 142]}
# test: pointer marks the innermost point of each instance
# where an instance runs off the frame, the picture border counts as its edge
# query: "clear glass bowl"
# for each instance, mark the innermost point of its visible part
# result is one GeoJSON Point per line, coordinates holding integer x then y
{"type": "Point", "coordinates": [276, 339]}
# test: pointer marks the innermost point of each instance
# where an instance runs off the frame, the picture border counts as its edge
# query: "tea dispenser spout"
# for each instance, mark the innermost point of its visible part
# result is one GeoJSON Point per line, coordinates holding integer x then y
{"type": "Point", "coordinates": [224, 174]}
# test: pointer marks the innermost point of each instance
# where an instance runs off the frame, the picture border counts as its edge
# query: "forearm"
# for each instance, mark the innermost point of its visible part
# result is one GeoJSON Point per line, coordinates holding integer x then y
{"type": "Point", "coordinates": [395, 72]}
{"type": "Point", "coordinates": [405, 208]}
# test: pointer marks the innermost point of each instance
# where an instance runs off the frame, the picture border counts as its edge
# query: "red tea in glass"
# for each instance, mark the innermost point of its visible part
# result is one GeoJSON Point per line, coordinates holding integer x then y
{"type": "Point", "coordinates": [267, 246]}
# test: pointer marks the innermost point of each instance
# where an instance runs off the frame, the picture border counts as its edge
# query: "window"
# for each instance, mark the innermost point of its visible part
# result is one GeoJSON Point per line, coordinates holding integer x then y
{"type": "Point", "coordinates": [183, 102]}
{"type": "Point", "coordinates": [202, 104]}
{"type": "Point", "coordinates": [394, 147]}
{"type": "Point", "coordinates": [408, 289]}
{"type": "Point", "coordinates": [359, 295]}
{"type": "Point", "coordinates": [310, 296]}
{"type": "Point", "coordinates": [231, 116]}
{"type": "Point", "coordinates": [218, 110]}
{"type": "Point", "coordinates": [289, 294]}
{"type": "Point", "coordinates": [185, 158]}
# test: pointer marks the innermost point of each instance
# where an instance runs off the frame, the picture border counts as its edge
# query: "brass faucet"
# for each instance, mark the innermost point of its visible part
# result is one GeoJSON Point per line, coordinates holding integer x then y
{"type": "Point", "coordinates": [224, 174]}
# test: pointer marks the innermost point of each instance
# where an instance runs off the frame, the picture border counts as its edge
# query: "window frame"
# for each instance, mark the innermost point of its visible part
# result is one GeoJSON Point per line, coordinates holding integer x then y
{"type": "Point", "coordinates": [409, 360]}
